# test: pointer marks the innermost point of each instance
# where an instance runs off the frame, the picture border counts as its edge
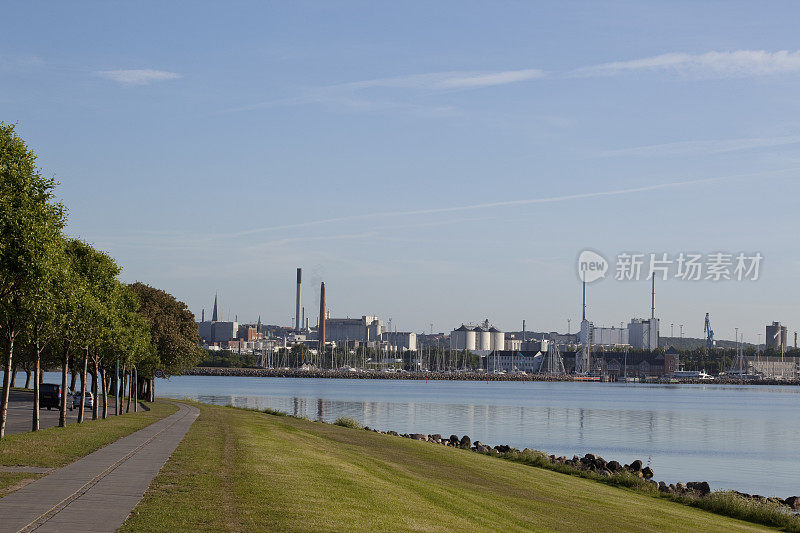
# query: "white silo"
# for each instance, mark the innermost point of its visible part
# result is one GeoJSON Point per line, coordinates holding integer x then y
{"type": "Point", "coordinates": [470, 338]}
{"type": "Point", "coordinates": [485, 338]}
{"type": "Point", "coordinates": [498, 339]}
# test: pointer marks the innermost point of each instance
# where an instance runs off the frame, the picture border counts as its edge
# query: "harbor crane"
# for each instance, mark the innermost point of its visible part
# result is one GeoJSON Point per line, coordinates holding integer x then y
{"type": "Point", "coordinates": [709, 333]}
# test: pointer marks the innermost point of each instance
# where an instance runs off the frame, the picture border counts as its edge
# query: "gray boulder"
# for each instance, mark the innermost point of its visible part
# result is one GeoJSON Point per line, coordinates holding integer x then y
{"type": "Point", "coordinates": [793, 502]}
{"type": "Point", "coordinates": [700, 487]}
{"type": "Point", "coordinates": [465, 441]}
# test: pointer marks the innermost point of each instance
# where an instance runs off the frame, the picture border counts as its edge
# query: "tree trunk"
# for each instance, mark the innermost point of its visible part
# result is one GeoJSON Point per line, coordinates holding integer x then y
{"type": "Point", "coordinates": [128, 397]}
{"type": "Point", "coordinates": [36, 370]}
{"type": "Point", "coordinates": [6, 382]}
{"type": "Point", "coordinates": [135, 390]}
{"type": "Point", "coordinates": [27, 379]}
{"type": "Point", "coordinates": [62, 408]}
{"type": "Point", "coordinates": [105, 392]}
{"type": "Point", "coordinates": [74, 377]}
{"type": "Point", "coordinates": [95, 378]}
{"type": "Point", "coordinates": [116, 388]}
{"type": "Point", "coordinates": [153, 389]}
{"type": "Point", "coordinates": [95, 391]}
{"type": "Point", "coordinates": [13, 375]}
{"type": "Point", "coordinates": [121, 392]}
{"type": "Point", "coordinates": [83, 384]}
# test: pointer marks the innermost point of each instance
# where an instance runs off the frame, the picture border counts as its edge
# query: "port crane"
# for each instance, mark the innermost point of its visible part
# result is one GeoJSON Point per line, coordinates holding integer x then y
{"type": "Point", "coordinates": [709, 333]}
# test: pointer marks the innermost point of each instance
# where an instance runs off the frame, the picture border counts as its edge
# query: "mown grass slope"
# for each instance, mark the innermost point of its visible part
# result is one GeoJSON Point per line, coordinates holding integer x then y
{"type": "Point", "coordinates": [240, 470]}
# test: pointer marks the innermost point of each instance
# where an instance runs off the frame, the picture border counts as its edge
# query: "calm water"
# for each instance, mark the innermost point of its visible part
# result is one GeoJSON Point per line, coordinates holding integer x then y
{"type": "Point", "coordinates": [744, 438]}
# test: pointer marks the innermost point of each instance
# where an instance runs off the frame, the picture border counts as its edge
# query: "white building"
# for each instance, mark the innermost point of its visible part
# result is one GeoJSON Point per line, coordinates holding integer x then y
{"type": "Point", "coordinates": [602, 336]}
{"type": "Point", "coordinates": [399, 341]}
{"type": "Point", "coordinates": [643, 333]}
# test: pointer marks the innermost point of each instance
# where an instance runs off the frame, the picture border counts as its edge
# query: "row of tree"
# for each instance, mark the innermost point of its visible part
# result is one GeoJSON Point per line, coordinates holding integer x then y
{"type": "Point", "coordinates": [62, 303]}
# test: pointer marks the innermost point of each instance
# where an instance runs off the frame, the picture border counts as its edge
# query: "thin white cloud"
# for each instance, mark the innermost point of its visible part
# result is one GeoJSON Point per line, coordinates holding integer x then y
{"type": "Point", "coordinates": [701, 147]}
{"type": "Point", "coordinates": [526, 201]}
{"type": "Point", "coordinates": [20, 61]}
{"type": "Point", "coordinates": [137, 76]}
{"type": "Point", "coordinates": [351, 95]}
{"type": "Point", "coordinates": [445, 80]}
{"type": "Point", "coordinates": [364, 95]}
{"type": "Point", "coordinates": [737, 63]}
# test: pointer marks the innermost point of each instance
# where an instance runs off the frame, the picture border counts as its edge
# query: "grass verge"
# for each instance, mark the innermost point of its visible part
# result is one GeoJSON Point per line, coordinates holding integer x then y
{"type": "Point", "coordinates": [11, 481]}
{"type": "Point", "coordinates": [239, 470]}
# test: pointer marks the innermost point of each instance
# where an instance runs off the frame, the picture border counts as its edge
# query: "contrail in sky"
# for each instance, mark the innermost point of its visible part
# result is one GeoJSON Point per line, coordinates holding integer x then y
{"type": "Point", "coordinates": [525, 201]}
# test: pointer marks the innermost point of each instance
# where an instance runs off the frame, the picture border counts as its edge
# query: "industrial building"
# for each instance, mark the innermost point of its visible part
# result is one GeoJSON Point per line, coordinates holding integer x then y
{"type": "Point", "coordinates": [514, 361]}
{"type": "Point", "coordinates": [480, 338]}
{"type": "Point", "coordinates": [775, 338]}
{"type": "Point", "coordinates": [531, 345]}
{"type": "Point", "coordinates": [216, 330]}
{"type": "Point", "coordinates": [643, 333]}
{"type": "Point", "coordinates": [398, 341]}
{"type": "Point", "coordinates": [366, 329]}
{"type": "Point", "coordinates": [590, 334]}
{"type": "Point", "coordinates": [773, 367]}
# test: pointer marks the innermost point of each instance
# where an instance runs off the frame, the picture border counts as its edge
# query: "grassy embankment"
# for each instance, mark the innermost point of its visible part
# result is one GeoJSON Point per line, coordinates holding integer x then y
{"type": "Point", "coordinates": [54, 447]}
{"type": "Point", "coordinates": [239, 470]}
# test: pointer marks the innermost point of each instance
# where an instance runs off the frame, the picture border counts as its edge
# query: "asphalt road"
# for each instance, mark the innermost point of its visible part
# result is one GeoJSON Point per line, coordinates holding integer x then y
{"type": "Point", "coordinates": [20, 413]}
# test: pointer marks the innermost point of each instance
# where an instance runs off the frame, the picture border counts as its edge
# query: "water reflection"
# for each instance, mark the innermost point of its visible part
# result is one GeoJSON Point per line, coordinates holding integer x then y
{"type": "Point", "coordinates": [734, 437]}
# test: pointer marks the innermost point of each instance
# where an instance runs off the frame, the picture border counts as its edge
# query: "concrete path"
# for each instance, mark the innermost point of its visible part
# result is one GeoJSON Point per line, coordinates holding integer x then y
{"type": "Point", "coordinates": [98, 492]}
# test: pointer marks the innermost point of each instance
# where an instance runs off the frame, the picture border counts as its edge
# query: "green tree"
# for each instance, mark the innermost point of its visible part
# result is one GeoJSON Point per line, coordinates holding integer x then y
{"type": "Point", "coordinates": [75, 301]}
{"type": "Point", "coordinates": [31, 221]}
{"type": "Point", "coordinates": [173, 332]}
{"type": "Point", "coordinates": [45, 316]}
{"type": "Point", "coordinates": [98, 273]}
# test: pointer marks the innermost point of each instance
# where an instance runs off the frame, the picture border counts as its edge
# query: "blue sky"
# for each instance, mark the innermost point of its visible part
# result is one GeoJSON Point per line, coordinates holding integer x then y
{"type": "Point", "coordinates": [431, 162]}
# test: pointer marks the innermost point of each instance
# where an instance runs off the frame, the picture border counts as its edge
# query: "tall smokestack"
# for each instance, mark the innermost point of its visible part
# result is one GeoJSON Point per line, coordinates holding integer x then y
{"type": "Point", "coordinates": [303, 320]}
{"type": "Point", "coordinates": [297, 323]}
{"type": "Point", "coordinates": [583, 306]}
{"type": "Point", "coordinates": [321, 349]}
{"type": "Point", "coordinates": [653, 299]}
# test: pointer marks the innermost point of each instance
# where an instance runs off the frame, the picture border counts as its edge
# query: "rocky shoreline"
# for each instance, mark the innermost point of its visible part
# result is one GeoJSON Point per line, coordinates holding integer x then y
{"type": "Point", "coordinates": [594, 464]}
{"type": "Point", "coordinates": [434, 376]}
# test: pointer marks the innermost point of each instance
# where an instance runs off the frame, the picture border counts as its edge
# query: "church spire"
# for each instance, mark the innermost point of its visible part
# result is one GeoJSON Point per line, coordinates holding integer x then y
{"type": "Point", "coordinates": [214, 315]}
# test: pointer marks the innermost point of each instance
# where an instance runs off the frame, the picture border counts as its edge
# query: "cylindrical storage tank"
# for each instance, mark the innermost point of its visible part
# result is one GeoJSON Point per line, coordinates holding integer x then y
{"type": "Point", "coordinates": [469, 340]}
{"type": "Point", "coordinates": [498, 339]}
{"type": "Point", "coordinates": [485, 339]}
{"type": "Point", "coordinates": [458, 339]}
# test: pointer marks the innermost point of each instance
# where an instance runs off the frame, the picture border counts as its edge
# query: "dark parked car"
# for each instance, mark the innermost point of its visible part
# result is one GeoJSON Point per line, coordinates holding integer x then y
{"type": "Point", "coordinates": [49, 395]}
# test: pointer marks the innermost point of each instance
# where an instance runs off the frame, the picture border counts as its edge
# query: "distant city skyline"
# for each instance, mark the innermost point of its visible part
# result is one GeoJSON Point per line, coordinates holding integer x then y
{"type": "Point", "coordinates": [439, 163]}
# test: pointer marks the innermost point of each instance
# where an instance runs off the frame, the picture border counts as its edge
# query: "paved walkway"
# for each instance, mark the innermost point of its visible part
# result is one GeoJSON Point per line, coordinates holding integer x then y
{"type": "Point", "coordinates": [98, 492]}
